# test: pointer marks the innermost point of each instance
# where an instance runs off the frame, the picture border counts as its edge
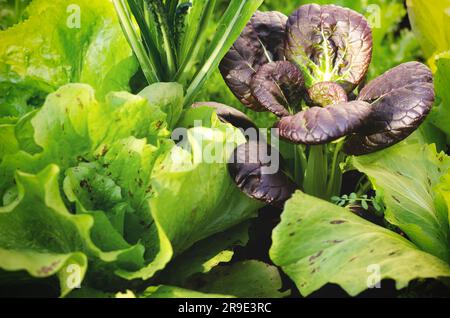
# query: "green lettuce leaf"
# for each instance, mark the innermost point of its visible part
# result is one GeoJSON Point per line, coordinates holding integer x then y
{"type": "Point", "coordinates": [78, 133]}
{"type": "Point", "coordinates": [430, 22]}
{"type": "Point", "coordinates": [318, 243]}
{"type": "Point", "coordinates": [216, 204]}
{"type": "Point", "coordinates": [62, 43]}
{"type": "Point", "coordinates": [87, 292]}
{"type": "Point", "coordinates": [406, 176]}
{"type": "Point", "coordinates": [443, 193]}
{"type": "Point", "coordinates": [72, 126]}
{"type": "Point", "coordinates": [168, 97]}
{"type": "Point", "coordinates": [191, 198]}
{"type": "Point", "coordinates": [246, 279]}
{"type": "Point", "coordinates": [9, 142]}
{"type": "Point", "coordinates": [440, 114]}
{"type": "Point", "coordinates": [39, 235]}
{"type": "Point", "coordinates": [24, 133]}
{"type": "Point", "coordinates": [146, 198]}
{"type": "Point", "coordinates": [205, 255]}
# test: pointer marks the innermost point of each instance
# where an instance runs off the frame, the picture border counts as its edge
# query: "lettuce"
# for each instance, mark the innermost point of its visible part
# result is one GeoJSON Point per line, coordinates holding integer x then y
{"type": "Point", "coordinates": [52, 237]}
{"type": "Point", "coordinates": [60, 43]}
{"type": "Point", "coordinates": [97, 183]}
{"type": "Point", "coordinates": [202, 257]}
{"type": "Point", "coordinates": [246, 279]}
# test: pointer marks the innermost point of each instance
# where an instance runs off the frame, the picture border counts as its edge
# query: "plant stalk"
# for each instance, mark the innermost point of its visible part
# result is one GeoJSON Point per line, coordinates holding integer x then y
{"type": "Point", "coordinates": [301, 163]}
{"type": "Point", "coordinates": [315, 182]}
{"type": "Point", "coordinates": [200, 39]}
{"type": "Point", "coordinates": [167, 39]}
{"type": "Point", "coordinates": [135, 42]}
{"type": "Point", "coordinates": [364, 188]}
{"type": "Point", "coordinates": [335, 174]}
{"type": "Point", "coordinates": [139, 12]}
{"type": "Point", "coordinates": [232, 22]}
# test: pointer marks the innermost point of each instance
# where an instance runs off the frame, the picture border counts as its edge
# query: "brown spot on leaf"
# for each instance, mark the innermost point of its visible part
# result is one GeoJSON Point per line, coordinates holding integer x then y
{"type": "Point", "coordinates": [46, 270]}
{"type": "Point", "coordinates": [337, 222]}
{"type": "Point", "coordinates": [396, 199]}
{"type": "Point", "coordinates": [80, 103]}
{"type": "Point", "coordinates": [394, 253]}
{"type": "Point", "coordinates": [315, 256]}
{"type": "Point", "coordinates": [84, 184]}
{"type": "Point", "coordinates": [82, 159]}
{"type": "Point", "coordinates": [333, 241]}
{"type": "Point", "coordinates": [104, 151]}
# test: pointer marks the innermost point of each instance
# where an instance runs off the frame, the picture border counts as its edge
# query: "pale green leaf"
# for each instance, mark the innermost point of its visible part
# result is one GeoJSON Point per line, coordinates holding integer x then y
{"type": "Point", "coordinates": [318, 243]}
{"type": "Point", "coordinates": [405, 176]}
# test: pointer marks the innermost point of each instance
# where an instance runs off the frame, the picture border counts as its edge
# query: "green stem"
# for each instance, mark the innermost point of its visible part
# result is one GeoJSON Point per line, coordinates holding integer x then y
{"type": "Point", "coordinates": [199, 42]}
{"type": "Point", "coordinates": [139, 10]}
{"type": "Point", "coordinates": [172, 6]}
{"type": "Point", "coordinates": [231, 24]}
{"type": "Point", "coordinates": [335, 171]}
{"type": "Point", "coordinates": [301, 163]}
{"type": "Point", "coordinates": [297, 166]}
{"type": "Point", "coordinates": [17, 9]}
{"type": "Point", "coordinates": [135, 42]}
{"type": "Point", "coordinates": [315, 182]}
{"type": "Point", "coordinates": [364, 188]}
{"type": "Point", "coordinates": [166, 38]}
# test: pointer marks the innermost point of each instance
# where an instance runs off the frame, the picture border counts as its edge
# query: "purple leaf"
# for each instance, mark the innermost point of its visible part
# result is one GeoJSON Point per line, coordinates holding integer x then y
{"type": "Point", "coordinates": [320, 125]}
{"type": "Point", "coordinates": [251, 174]}
{"type": "Point", "coordinates": [229, 115]}
{"type": "Point", "coordinates": [261, 41]}
{"type": "Point", "coordinates": [401, 99]}
{"type": "Point", "coordinates": [278, 86]}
